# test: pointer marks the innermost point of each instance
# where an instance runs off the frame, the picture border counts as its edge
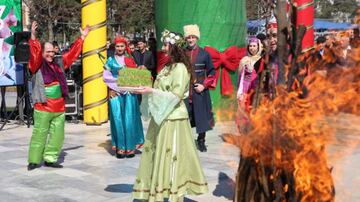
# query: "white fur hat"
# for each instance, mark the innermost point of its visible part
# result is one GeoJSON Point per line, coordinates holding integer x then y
{"type": "Point", "coordinates": [192, 30]}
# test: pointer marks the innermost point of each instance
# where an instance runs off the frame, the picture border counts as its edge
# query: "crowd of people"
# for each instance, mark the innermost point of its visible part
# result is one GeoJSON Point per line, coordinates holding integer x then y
{"type": "Point", "coordinates": [170, 166]}
{"type": "Point", "coordinates": [178, 101]}
{"type": "Point", "coordinates": [341, 45]}
{"type": "Point", "coordinates": [332, 50]}
{"type": "Point", "coordinates": [142, 56]}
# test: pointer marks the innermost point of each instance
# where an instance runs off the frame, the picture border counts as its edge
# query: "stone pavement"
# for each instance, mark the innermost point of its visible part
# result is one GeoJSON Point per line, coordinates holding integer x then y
{"type": "Point", "coordinates": [91, 173]}
{"type": "Point", "coordinates": [344, 158]}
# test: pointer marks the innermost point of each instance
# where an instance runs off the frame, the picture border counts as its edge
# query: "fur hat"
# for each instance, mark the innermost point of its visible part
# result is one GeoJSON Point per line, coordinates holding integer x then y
{"type": "Point", "coordinates": [192, 30]}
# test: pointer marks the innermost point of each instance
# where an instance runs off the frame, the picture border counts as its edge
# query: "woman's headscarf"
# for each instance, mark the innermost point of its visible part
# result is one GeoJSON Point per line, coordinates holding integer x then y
{"type": "Point", "coordinates": [120, 39]}
{"type": "Point", "coordinates": [129, 61]}
{"type": "Point", "coordinates": [258, 42]}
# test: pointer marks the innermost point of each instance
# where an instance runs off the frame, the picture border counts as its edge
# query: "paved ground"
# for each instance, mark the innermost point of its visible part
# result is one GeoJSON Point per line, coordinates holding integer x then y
{"type": "Point", "coordinates": [91, 173]}
{"type": "Point", "coordinates": [344, 158]}
{"type": "Point", "coordinates": [10, 99]}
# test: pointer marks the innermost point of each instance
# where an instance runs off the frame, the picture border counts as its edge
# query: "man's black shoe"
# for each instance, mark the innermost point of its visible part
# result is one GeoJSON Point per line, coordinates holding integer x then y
{"type": "Point", "coordinates": [53, 165]}
{"type": "Point", "coordinates": [201, 145]}
{"type": "Point", "coordinates": [32, 166]}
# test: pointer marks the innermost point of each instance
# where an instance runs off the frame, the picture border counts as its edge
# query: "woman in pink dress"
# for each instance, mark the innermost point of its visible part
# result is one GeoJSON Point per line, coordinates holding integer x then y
{"type": "Point", "coordinates": [247, 82]}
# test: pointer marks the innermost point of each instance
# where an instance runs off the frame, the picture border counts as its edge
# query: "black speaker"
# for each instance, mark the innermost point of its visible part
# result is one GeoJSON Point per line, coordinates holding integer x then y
{"type": "Point", "coordinates": [22, 47]}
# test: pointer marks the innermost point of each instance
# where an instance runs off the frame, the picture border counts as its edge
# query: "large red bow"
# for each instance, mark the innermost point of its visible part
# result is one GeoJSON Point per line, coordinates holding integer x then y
{"type": "Point", "coordinates": [228, 61]}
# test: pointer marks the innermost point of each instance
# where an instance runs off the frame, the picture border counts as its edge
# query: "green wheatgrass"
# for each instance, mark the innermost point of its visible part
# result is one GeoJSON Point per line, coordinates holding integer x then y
{"type": "Point", "coordinates": [131, 77]}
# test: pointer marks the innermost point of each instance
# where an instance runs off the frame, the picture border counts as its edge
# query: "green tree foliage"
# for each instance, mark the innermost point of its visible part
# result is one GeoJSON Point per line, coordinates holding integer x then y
{"type": "Point", "coordinates": [325, 9]}
{"type": "Point", "coordinates": [252, 9]}
{"type": "Point", "coordinates": [259, 9]}
{"type": "Point", "coordinates": [335, 9]}
{"type": "Point", "coordinates": [55, 17]}
{"type": "Point", "coordinates": [131, 15]}
{"type": "Point", "coordinates": [60, 19]}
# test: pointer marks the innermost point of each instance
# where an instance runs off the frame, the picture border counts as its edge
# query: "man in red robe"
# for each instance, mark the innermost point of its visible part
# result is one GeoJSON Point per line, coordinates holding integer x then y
{"type": "Point", "coordinates": [48, 95]}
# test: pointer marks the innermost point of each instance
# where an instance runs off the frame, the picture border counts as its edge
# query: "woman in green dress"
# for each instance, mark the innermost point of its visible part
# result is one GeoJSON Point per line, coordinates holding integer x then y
{"type": "Point", "coordinates": [170, 166]}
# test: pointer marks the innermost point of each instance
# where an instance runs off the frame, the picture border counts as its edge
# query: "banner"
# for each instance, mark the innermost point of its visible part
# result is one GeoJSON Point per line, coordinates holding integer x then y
{"type": "Point", "coordinates": [10, 22]}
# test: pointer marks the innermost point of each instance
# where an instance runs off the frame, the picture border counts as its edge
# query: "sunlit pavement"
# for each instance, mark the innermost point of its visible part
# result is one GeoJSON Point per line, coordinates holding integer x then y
{"type": "Point", "coordinates": [92, 173]}
{"type": "Point", "coordinates": [344, 157]}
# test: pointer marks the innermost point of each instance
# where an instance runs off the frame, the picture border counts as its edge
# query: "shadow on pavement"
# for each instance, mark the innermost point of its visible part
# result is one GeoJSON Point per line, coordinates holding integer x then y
{"type": "Point", "coordinates": [119, 188]}
{"type": "Point", "coordinates": [64, 153]}
{"type": "Point", "coordinates": [107, 146]}
{"type": "Point", "coordinates": [189, 200]}
{"type": "Point", "coordinates": [225, 187]}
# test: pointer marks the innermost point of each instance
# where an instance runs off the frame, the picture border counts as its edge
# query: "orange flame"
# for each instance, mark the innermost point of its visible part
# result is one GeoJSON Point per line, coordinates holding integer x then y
{"type": "Point", "coordinates": [292, 131]}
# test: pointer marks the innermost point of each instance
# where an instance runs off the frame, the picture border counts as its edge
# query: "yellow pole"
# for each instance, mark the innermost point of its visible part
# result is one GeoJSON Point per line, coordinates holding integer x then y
{"type": "Point", "coordinates": [94, 89]}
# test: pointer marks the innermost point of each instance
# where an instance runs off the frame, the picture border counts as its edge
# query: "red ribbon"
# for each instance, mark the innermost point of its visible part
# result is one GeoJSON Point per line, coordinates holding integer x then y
{"type": "Point", "coordinates": [228, 61]}
{"type": "Point", "coordinates": [130, 62]}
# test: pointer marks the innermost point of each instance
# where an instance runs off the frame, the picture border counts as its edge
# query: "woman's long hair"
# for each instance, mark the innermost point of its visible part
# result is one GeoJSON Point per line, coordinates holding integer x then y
{"type": "Point", "coordinates": [178, 54]}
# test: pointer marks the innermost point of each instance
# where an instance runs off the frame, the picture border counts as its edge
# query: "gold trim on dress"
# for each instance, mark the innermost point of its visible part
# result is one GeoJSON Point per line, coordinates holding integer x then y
{"type": "Point", "coordinates": [168, 189]}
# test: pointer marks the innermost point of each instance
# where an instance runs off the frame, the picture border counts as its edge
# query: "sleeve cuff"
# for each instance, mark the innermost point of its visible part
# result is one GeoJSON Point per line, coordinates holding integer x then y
{"type": "Point", "coordinates": [210, 82]}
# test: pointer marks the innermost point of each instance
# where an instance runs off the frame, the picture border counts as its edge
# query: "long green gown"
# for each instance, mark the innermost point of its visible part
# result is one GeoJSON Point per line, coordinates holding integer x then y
{"type": "Point", "coordinates": [170, 166]}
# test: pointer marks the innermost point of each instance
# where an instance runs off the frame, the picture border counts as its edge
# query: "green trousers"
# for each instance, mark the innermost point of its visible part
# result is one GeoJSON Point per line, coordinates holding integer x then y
{"type": "Point", "coordinates": [47, 137]}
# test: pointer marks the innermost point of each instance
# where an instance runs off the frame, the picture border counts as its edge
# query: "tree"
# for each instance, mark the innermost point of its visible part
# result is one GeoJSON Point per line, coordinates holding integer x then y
{"type": "Point", "coordinates": [131, 15]}
{"type": "Point", "coordinates": [252, 9]}
{"type": "Point", "coordinates": [52, 14]}
{"type": "Point", "coordinates": [339, 10]}
{"type": "Point", "coordinates": [64, 16]}
{"type": "Point", "coordinates": [357, 16]}
{"type": "Point", "coordinates": [259, 9]}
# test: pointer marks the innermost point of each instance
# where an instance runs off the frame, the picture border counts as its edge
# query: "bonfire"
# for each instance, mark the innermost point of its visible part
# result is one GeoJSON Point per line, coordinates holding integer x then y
{"type": "Point", "coordinates": [283, 154]}
{"type": "Point", "coordinates": [283, 157]}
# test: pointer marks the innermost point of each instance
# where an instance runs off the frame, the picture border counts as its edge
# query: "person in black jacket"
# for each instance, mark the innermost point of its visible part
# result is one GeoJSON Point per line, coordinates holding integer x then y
{"type": "Point", "coordinates": [320, 43]}
{"type": "Point", "coordinates": [144, 58]}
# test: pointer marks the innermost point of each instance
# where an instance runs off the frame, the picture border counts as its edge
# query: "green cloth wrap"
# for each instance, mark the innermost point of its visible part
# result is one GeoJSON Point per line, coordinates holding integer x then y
{"type": "Point", "coordinates": [53, 92]}
{"type": "Point", "coordinates": [222, 24]}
